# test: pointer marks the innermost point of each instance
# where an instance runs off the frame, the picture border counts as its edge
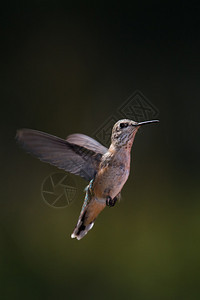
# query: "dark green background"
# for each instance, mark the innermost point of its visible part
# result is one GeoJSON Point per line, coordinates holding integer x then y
{"type": "Point", "coordinates": [65, 69]}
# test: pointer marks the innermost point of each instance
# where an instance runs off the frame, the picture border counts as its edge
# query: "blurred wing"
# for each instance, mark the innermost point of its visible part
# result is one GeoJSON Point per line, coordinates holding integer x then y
{"type": "Point", "coordinates": [73, 158]}
{"type": "Point", "coordinates": [87, 142]}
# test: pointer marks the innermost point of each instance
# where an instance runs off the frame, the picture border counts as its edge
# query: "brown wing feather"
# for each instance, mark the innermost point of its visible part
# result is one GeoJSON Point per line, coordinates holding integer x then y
{"type": "Point", "coordinates": [73, 158]}
{"type": "Point", "coordinates": [87, 142]}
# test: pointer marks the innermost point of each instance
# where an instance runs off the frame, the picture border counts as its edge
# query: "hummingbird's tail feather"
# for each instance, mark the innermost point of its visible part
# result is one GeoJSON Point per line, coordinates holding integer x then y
{"type": "Point", "coordinates": [87, 218]}
{"type": "Point", "coordinates": [81, 230]}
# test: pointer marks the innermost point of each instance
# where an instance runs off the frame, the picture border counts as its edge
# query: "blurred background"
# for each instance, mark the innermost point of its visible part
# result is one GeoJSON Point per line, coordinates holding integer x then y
{"type": "Point", "coordinates": [66, 68]}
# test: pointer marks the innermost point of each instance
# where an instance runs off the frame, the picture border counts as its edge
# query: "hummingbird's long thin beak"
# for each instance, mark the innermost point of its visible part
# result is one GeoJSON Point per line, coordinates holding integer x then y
{"type": "Point", "coordinates": [146, 122]}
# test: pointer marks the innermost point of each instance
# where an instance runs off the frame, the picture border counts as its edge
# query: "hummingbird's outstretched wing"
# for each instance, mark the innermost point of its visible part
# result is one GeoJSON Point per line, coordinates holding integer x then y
{"type": "Point", "coordinates": [74, 158]}
{"type": "Point", "coordinates": [87, 142]}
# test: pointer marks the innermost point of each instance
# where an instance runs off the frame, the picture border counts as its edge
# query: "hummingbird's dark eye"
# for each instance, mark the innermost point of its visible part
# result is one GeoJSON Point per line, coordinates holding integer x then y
{"type": "Point", "coordinates": [122, 125]}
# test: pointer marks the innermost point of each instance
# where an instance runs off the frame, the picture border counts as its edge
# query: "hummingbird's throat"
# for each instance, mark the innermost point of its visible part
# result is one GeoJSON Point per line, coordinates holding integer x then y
{"type": "Point", "coordinates": [125, 140]}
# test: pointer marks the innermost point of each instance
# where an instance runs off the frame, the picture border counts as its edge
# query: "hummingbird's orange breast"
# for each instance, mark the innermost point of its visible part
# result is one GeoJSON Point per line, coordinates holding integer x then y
{"type": "Point", "coordinates": [112, 174]}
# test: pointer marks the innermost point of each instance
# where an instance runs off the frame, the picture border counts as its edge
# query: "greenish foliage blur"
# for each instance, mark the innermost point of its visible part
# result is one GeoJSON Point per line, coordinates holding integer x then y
{"type": "Point", "coordinates": [65, 69]}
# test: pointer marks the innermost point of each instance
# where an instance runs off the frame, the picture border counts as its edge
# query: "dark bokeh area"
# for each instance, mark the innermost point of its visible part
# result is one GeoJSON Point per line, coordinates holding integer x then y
{"type": "Point", "coordinates": [65, 69]}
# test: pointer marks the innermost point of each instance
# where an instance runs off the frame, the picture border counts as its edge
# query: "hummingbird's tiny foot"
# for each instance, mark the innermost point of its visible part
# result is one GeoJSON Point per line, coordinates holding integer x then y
{"type": "Point", "coordinates": [111, 202]}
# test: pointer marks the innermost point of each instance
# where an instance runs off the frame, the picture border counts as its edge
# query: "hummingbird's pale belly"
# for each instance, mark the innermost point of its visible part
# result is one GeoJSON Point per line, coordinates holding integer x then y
{"type": "Point", "coordinates": [110, 180]}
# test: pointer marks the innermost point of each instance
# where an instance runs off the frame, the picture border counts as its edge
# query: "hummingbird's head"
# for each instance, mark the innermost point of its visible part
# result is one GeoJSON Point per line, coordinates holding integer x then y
{"type": "Point", "coordinates": [124, 131]}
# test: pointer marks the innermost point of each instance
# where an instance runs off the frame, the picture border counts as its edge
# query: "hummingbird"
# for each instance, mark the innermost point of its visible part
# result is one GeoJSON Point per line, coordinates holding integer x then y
{"type": "Point", "coordinates": [106, 169]}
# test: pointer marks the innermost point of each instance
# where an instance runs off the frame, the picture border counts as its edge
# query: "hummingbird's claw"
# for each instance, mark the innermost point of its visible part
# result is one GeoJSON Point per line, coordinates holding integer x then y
{"type": "Point", "coordinates": [111, 202]}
